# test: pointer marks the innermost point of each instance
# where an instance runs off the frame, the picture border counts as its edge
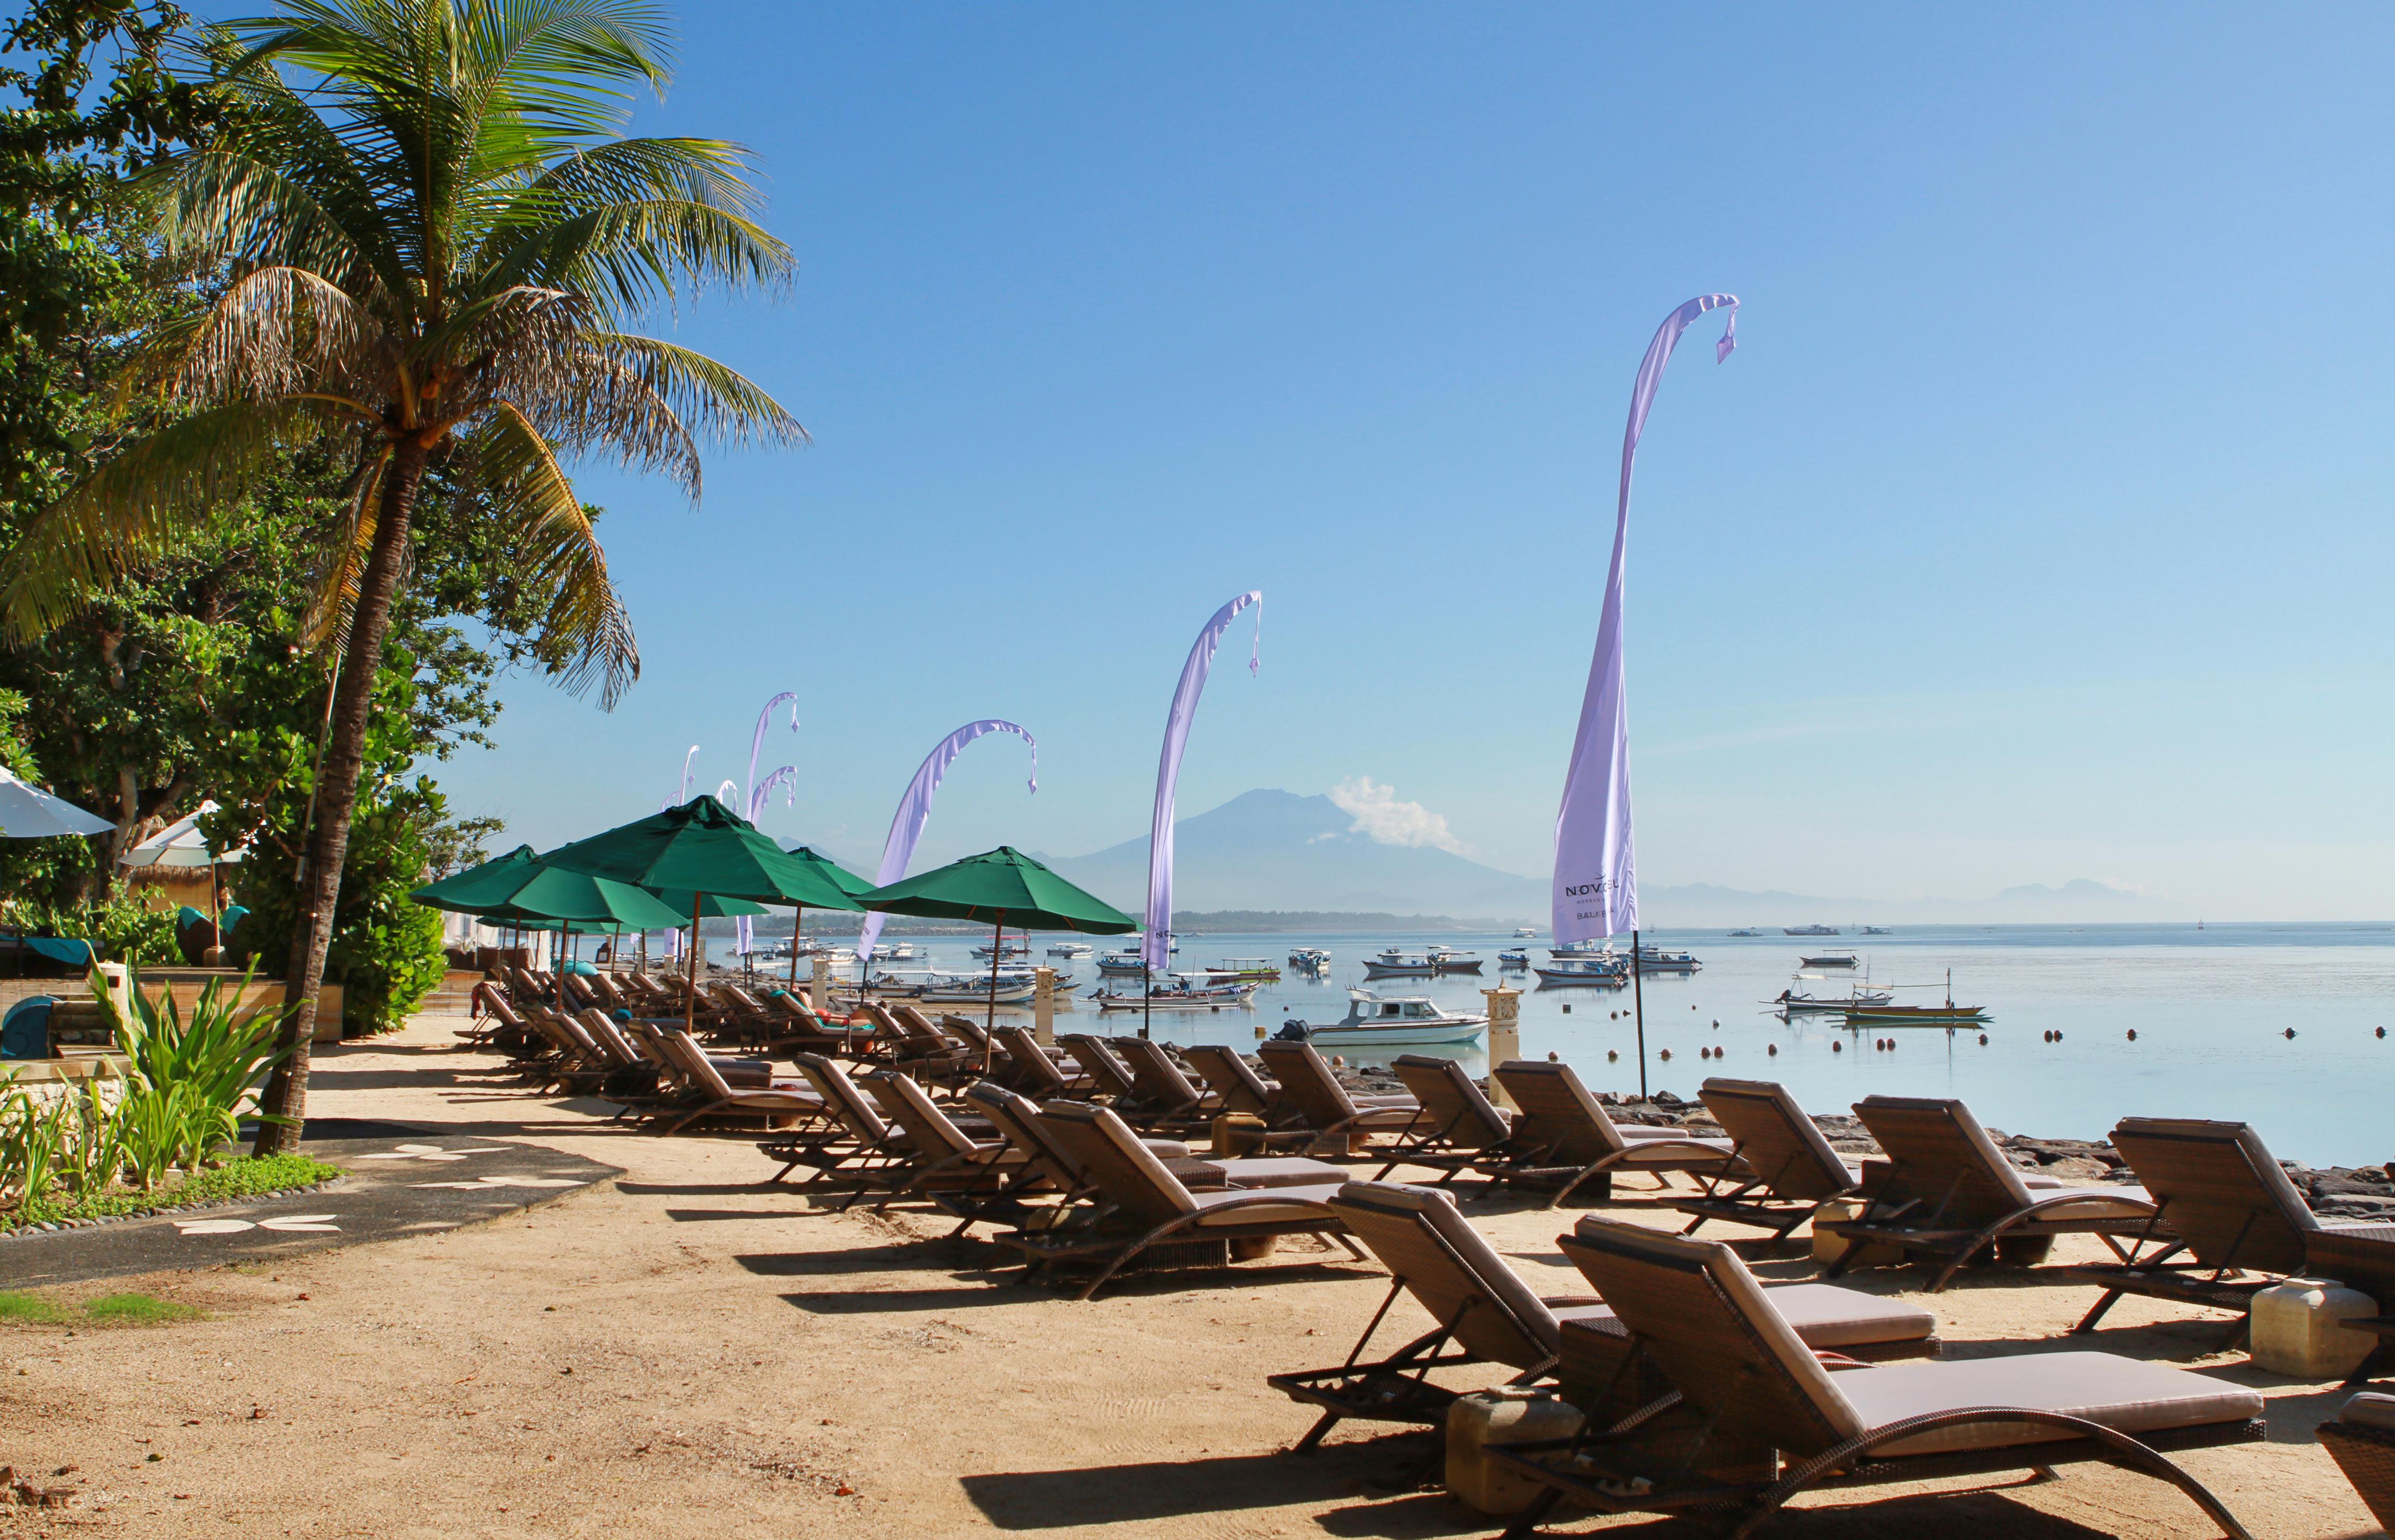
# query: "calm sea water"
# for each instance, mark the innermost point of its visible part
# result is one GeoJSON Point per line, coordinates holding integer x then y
{"type": "Point", "coordinates": [2210, 1008]}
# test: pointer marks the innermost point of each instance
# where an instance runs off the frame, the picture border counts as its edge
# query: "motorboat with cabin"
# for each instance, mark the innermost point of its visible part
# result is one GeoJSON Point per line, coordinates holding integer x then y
{"type": "Point", "coordinates": [1071, 949]}
{"type": "Point", "coordinates": [1372, 1021]}
{"type": "Point", "coordinates": [1309, 958]}
{"type": "Point", "coordinates": [1809, 930]}
{"type": "Point", "coordinates": [1829, 960]}
{"type": "Point", "coordinates": [1179, 992]}
{"type": "Point", "coordinates": [1610, 972]}
{"type": "Point", "coordinates": [1431, 961]}
{"type": "Point", "coordinates": [1517, 958]}
{"type": "Point", "coordinates": [1657, 960]}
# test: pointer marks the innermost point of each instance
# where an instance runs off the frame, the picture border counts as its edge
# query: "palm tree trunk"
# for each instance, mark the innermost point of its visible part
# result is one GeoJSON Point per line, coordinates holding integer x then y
{"type": "Point", "coordinates": [337, 794]}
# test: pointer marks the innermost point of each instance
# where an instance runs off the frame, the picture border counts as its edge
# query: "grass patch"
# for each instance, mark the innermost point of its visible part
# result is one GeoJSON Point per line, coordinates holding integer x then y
{"type": "Point", "coordinates": [32, 1310]}
{"type": "Point", "coordinates": [123, 1309]}
{"type": "Point", "coordinates": [242, 1177]}
{"type": "Point", "coordinates": [135, 1309]}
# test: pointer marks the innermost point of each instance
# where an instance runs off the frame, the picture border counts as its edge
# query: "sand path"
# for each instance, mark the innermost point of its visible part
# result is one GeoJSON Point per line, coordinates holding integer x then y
{"type": "Point", "coordinates": [689, 1353]}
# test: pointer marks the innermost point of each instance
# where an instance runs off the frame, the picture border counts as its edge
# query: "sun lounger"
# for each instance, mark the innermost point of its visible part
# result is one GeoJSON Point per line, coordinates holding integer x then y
{"type": "Point", "coordinates": [942, 1158]}
{"type": "Point", "coordinates": [1312, 1099]}
{"type": "Point", "coordinates": [1946, 1192]}
{"type": "Point", "coordinates": [858, 1143]}
{"type": "Point", "coordinates": [2362, 1440]}
{"type": "Point", "coordinates": [1106, 1073]}
{"type": "Point", "coordinates": [1235, 1087]}
{"type": "Point", "coordinates": [2227, 1205]}
{"type": "Point", "coordinates": [1459, 1125]}
{"type": "Point", "coordinates": [1791, 1170]}
{"type": "Point", "coordinates": [1160, 1092]}
{"type": "Point", "coordinates": [1562, 1136]}
{"type": "Point", "coordinates": [1480, 1306]}
{"type": "Point", "coordinates": [1745, 1376]}
{"type": "Point", "coordinates": [1138, 1203]}
{"type": "Point", "coordinates": [715, 1096]}
{"type": "Point", "coordinates": [1023, 1066]}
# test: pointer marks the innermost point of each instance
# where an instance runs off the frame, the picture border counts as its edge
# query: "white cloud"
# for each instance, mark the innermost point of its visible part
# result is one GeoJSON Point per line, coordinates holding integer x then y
{"type": "Point", "coordinates": [1388, 821]}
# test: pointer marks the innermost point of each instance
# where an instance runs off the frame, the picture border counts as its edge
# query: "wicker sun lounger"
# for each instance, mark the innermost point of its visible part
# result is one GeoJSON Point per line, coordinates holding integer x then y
{"type": "Point", "coordinates": [2227, 1206]}
{"type": "Point", "coordinates": [714, 1097]}
{"type": "Point", "coordinates": [1741, 1376]}
{"type": "Point", "coordinates": [1563, 1136]}
{"type": "Point", "coordinates": [1791, 1170]}
{"type": "Point", "coordinates": [1458, 1127]}
{"type": "Point", "coordinates": [2362, 1440]}
{"type": "Point", "coordinates": [1236, 1087]}
{"type": "Point", "coordinates": [1481, 1309]}
{"type": "Point", "coordinates": [1137, 1204]}
{"type": "Point", "coordinates": [1106, 1073]}
{"type": "Point", "coordinates": [1160, 1094]}
{"type": "Point", "coordinates": [1946, 1192]}
{"type": "Point", "coordinates": [1312, 1099]}
{"type": "Point", "coordinates": [941, 1157]}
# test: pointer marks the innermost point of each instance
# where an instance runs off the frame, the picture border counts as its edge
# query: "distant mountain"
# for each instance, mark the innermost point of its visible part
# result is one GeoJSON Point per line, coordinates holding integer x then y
{"type": "Point", "coordinates": [1275, 850]}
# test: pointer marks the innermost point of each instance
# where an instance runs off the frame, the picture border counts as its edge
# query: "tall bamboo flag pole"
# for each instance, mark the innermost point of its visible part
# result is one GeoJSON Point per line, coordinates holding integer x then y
{"type": "Point", "coordinates": [1595, 888]}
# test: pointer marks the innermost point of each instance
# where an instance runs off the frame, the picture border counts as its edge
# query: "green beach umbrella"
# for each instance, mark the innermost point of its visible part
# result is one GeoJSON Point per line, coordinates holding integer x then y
{"type": "Point", "coordinates": [480, 887]}
{"type": "Point", "coordinates": [702, 848]}
{"type": "Point", "coordinates": [1000, 887]}
{"type": "Point", "coordinates": [838, 876]}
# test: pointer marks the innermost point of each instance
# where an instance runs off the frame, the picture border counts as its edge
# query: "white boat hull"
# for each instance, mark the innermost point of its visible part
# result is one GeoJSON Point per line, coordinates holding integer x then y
{"type": "Point", "coordinates": [1416, 1034]}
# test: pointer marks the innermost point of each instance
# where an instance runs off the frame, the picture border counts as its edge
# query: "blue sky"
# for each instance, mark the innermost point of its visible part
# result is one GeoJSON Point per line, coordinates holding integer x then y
{"type": "Point", "coordinates": [2037, 530]}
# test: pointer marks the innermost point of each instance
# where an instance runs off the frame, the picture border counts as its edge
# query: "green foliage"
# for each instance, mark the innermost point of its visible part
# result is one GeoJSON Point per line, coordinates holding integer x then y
{"type": "Point", "coordinates": [117, 1309]}
{"type": "Point", "coordinates": [455, 843]}
{"type": "Point", "coordinates": [121, 928]}
{"type": "Point", "coordinates": [186, 1077]}
{"type": "Point", "coordinates": [135, 1309]}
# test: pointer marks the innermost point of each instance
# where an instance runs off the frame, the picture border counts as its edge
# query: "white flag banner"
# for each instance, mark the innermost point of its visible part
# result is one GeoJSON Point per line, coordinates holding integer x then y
{"type": "Point", "coordinates": [1156, 946]}
{"type": "Point", "coordinates": [1597, 860]}
{"type": "Point", "coordinates": [914, 811]}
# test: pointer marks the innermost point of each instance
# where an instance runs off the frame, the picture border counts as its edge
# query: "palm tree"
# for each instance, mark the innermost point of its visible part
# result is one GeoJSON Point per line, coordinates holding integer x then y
{"type": "Point", "coordinates": [433, 234]}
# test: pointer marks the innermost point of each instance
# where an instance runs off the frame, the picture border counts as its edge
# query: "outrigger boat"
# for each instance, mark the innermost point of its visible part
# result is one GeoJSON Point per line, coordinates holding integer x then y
{"type": "Point", "coordinates": [1396, 962]}
{"type": "Point", "coordinates": [1184, 993]}
{"type": "Point", "coordinates": [1517, 958]}
{"type": "Point", "coordinates": [1930, 1014]}
{"type": "Point", "coordinates": [1794, 1004]}
{"type": "Point", "coordinates": [1612, 972]}
{"type": "Point", "coordinates": [1252, 970]}
{"type": "Point", "coordinates": [1829, 960]}
{"type": "Point", "coordinates": [1656, 960]}
{"type": "Point", "coordinates": [1308, 959]}
{"type": "Point", "coordinates": [1406, 1020]}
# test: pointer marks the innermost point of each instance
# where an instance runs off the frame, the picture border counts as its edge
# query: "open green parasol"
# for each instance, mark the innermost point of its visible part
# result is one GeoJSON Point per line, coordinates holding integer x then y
{"type": "Point", "coordinates": [704, 849]}
{"type": "Point", "coordinates": [999, 888]}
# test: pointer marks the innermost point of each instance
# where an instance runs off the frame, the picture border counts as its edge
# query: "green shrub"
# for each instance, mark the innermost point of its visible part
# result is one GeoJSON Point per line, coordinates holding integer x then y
{"type": "Point", "coordinates": [186, 1079]}
{"type": "Point", "coordinates": [32, 1309]}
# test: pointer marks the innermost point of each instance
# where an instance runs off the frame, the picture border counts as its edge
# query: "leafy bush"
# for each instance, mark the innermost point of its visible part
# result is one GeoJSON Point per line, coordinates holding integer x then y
{"type": "Point", "coordinates": [186, 1079]}
{"type": "Point", "coordinates": [121, 929]}
{"type": "Point", "coordinates": [386, 951]}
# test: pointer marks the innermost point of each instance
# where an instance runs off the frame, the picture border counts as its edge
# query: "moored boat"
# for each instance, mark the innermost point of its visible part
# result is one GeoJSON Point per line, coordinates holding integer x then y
{"type": "Point", "coordinates": [1250, 970]}
{"type": "Point", "coordinates": [1372, 1020]}
{"type": "Point", "coordinates": [1797, 1005]}
{"type": "Point", "coordinates": [1308, 959]}
{"type": "Point", "coordinates": [1656, 960]}
{"type": "Point", "coordinates": [1184, 992]}
{"type": "Point", "coordinates": [1829, 960]}
{"type": "Point", "coordinates": [1608, 971]}
{"type": "Point", "coordinates": [1809, 930]}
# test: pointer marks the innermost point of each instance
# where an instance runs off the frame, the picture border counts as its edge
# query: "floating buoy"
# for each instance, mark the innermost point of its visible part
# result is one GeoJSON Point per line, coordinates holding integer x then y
{"type": "Point", "coordinates": [1837, 1047]}
{"type": "Point", "coordinates": [2291, 1031]}
{"type": "Point", "coordinates": [2382, 1032]}
{"type": "Point", "coordinates": [1339, 1061]}
{"type": "Point", "coordinates": [1553, 1057]}
{"type": "Point", "coordinates": [1666, 1053]}
{"type": "Point", "coordinates": [1692, 1007]}
{"type": "Point", "coordinates": [2133, 1034]}
{"type": "Point", "coordinates": [1611, 1055]}
{"type": "Point", "coordinates": [1567, 1007]}
{"type": "Point", "coordinates": [1773, 1050]}
{"type": "Point", "coordinates": [1983, 1040]}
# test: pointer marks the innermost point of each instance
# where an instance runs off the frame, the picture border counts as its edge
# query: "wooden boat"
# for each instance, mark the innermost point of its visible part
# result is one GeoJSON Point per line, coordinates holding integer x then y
{"type": "Point", "coordinates": [1898, 1015]}
{"type": "Point", "coordinates": [1232, 970]}
{"type": "Point", "coordinates": [1184, 995]}
{"type": "Point", "coordinates": [1797, 1005]}
{"type": "Point", "coordinates": [1610, 972]}
{"type": "Point", "coordinates": [1308, 959]}
{"type": "Point", "coordinates": [1656, 960]}
{"type": "Point", "coordinates": [1408, 1021]}
{"type": "Point", "coordinates": [1829, 960]}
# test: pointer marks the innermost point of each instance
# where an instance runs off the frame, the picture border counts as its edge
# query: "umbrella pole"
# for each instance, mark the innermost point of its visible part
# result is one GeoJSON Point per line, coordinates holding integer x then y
{"type": "Point", "coordinates": [690, 1021]}
{"type": "Point", "coordinates": [797, 920]}
{"type": "Point", "coordinates": [1147, 999]}
{"type": "Point", "coordinates": [989, 1027]}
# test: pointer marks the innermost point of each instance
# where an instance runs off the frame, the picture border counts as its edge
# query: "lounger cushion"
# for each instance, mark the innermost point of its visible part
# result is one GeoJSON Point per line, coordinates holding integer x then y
{"type": "Point", "coordinates": [1168, 1150]}
{"type": "Point", "coordinates": [2121, 1393]}
{"type": "Point", "coordinates": [1824, 1315]}
{"type": "Point", "coordinates": [2370, 1410]}
{"type": "Point", "coordinates": [1297, 1205]}
{"type": "Point", "coordinates": [1261, 1172]}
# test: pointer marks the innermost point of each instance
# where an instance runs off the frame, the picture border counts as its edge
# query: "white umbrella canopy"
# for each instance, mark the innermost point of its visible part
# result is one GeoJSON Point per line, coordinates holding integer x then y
{"type": "Point", "coordinates": [29, 812]}
{"type": "Point", "coordinates": [180, 844]}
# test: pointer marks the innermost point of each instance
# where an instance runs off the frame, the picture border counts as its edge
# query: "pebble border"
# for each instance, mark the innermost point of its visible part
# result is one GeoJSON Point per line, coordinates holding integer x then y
{"type": "Point", "coordinates": [60, 1226]}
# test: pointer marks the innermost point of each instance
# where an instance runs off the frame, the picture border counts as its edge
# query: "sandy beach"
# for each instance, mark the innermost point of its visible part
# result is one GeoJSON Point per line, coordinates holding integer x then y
{"type": "Point", "coordinates": [690, 1352]}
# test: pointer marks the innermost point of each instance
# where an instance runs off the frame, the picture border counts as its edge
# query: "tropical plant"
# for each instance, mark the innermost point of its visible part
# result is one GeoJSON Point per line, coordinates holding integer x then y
{"type": "Point", "coordinates": [436, 236]}
{"type": "Point", "coordinates": [187, 1077]}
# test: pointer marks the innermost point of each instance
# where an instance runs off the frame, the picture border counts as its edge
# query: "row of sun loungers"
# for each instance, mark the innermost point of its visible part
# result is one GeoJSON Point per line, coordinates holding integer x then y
{"type": "Point", "coordinates": [1700, 1386]}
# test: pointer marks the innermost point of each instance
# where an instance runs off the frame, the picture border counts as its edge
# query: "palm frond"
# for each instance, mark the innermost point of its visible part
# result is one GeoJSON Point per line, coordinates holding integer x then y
{"type": "Point", "coordinates": [139, 505]}
{"type": "Point", "coordinates": [551, 543]}
{"type": "Point", "coordinates": [718, 399]}
{"type": "Point", "coordinates": [334, 594]}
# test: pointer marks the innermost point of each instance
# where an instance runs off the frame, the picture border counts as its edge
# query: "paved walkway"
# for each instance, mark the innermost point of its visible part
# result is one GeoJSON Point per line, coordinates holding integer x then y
{"type": "Point", "coordinates": [401, 1180]}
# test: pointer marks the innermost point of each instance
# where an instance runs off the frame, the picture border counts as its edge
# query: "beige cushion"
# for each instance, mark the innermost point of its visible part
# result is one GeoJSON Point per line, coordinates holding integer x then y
{"type": "Point", "coordinates": [1290, 1205]}
{"type": "Point", "coordinates": [1168, 1150]}
{"type": "Point", "coordinates": [1262, 1172]}
{"type": "Point", "coordinates": [1488, 1272]}
{"type": "Point", "coordinates": [2370, 1410]}
{"type": "Point", "coordinates": [2124, 1394]}
{"type": "Point", "coordinates": [1823, 1315]}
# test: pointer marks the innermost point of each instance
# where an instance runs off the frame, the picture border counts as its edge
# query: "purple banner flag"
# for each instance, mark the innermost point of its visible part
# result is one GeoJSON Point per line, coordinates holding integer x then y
{"type": "Point", "coordinates": [914, 811]}
{"type": "Point", "coordinates": [1156, 946]}
{"type": "Point", "coordinates": [1597, 861]}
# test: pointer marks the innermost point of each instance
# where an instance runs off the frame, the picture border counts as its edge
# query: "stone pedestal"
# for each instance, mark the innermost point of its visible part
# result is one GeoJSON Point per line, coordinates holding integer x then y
{"type": "Point", "coordinates": [1504, 1037]}
{"type": "Point", "coordinates": [819, 986]}
{"type": "Point", "coordinates": [1044, 1007]}
{"type": "Point", "coordinates": [1486, 1417]}
{"type": "Point", "coordinates": [2295, 1329]}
